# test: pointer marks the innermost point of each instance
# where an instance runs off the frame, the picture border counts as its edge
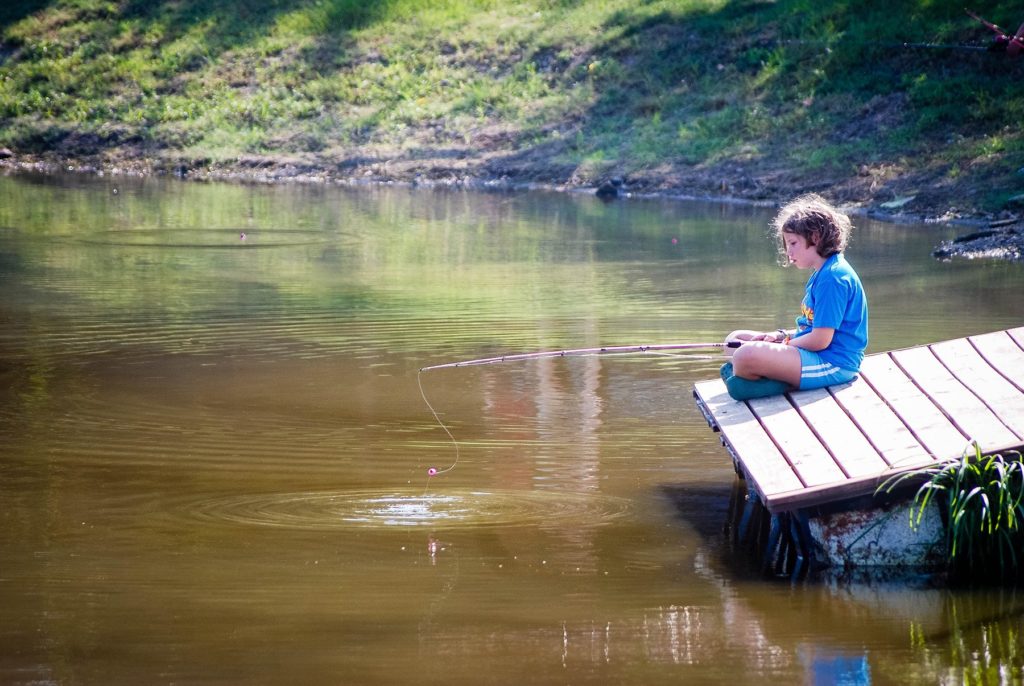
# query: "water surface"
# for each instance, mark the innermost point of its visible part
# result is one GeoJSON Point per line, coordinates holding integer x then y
{"type": "Point", "coordinates": [215, 447]}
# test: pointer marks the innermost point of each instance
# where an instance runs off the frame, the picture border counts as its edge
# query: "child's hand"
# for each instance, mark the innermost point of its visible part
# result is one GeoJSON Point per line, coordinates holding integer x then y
{"type": "Point", "coordinates": [772, 337]}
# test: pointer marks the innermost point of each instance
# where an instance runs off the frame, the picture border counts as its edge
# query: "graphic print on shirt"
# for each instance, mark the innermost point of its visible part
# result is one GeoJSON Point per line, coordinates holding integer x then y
{"type": "Point", "coordinates": [808, 313]}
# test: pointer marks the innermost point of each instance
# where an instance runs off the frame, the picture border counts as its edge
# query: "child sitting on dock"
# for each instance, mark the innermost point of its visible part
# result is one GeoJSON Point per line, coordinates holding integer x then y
{"type": "Point", "coordinates": [831, 332]}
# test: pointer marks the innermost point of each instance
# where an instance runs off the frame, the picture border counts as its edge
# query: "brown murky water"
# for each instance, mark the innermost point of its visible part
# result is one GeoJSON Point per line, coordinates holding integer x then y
{"type": "Point", "coordinates": [215, 450]}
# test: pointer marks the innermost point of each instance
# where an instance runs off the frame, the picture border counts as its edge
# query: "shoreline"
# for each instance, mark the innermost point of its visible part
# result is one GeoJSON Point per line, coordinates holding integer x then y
{"type": "Point", "coordinates": [990, 237]}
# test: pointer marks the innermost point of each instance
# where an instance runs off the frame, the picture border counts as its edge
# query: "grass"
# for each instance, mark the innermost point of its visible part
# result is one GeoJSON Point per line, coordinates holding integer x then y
{"type": "Point", "coordinates": [586, 86]}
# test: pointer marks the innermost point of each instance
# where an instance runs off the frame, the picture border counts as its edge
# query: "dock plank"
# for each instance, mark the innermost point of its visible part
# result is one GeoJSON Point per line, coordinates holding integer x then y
{"type": "Point", "coordinates": [965, 363]}
{"type": "Point", "coordinates": [766, 466]}
{"type": "Point", "coordinates": [850, 448]}
{"type": "Point", "coordinates": [1001, 351]}
{"type": "Point", "coordinates": [816, 495]}
{"type": "Point", "coordinates": [928, 424]}
{"type": "Point", "coordinates": [811, 460]}
{"type": "Point", "coordinates": [886, 431]}
{"type": "Point", "coordinates": [963, 408]}
{"type": "Point", "coordinates": [1017, 335]}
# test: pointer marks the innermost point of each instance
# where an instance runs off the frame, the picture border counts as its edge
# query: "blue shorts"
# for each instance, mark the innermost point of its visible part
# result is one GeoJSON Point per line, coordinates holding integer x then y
{"type": "Point", "coordinates": [817, 373]}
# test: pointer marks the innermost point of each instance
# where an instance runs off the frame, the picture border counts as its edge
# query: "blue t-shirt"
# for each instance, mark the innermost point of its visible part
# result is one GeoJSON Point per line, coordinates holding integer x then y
{"type": "Point", "coordinates": [834, 298]}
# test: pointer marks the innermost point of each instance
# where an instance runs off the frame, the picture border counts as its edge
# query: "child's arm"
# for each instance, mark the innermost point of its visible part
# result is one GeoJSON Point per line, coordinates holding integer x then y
{"type": "Point", "coordinates": [818, 338]}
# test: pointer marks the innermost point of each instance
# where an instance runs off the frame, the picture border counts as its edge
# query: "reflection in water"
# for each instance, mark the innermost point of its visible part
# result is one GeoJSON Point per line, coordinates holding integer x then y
{"type": "Point", "coordinates": [834, 667]}
{"type": "Point", "coordinates": [983, 642]}
{"type": "Point", "coordinates": [725, 637]}
{"type": "Point", "coordinates": [214, 450]}
{"type": "Point", "coordinates": [563, 405]}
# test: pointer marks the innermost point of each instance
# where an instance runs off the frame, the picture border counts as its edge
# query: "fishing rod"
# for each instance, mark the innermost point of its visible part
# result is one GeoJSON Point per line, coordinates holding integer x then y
{"type": "Point", "coordinates": [615, 349]}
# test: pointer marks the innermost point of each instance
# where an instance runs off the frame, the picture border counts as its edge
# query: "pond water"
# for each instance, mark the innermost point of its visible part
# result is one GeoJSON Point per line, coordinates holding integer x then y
{"type": "Point", "coordinates": [215, 446]}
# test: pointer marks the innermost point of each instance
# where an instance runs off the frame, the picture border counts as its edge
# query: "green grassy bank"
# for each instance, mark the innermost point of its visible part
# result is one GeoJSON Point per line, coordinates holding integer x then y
{"type": "Point", "coordinates": [750, 98]}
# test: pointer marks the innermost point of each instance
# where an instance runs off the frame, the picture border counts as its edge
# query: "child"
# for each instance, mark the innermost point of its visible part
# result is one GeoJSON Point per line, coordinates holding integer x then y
{"type": "Point", "coordinates": [828, 343]}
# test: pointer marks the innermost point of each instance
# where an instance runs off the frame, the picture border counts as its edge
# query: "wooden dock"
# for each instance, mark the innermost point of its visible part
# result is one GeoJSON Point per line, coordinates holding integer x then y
{"type": "Point", "coordinates": [908, 409]}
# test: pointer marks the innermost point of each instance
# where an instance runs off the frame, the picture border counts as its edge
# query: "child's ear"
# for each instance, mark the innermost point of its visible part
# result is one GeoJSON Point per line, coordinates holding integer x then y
{"type": "Point", "coordinates": [814, 238]}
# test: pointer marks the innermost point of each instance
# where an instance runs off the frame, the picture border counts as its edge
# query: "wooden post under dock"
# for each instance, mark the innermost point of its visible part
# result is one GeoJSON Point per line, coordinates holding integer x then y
{"type": "Point", "coordinates": [808, 450]}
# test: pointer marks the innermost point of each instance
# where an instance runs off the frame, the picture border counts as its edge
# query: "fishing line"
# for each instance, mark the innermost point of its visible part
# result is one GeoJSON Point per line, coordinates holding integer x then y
{"type": "Point", "coordinates": [433, 471]}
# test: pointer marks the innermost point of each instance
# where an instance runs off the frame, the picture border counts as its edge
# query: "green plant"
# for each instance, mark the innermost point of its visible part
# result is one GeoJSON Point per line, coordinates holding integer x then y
{"type": "Point", "coordinates": [981, 498]}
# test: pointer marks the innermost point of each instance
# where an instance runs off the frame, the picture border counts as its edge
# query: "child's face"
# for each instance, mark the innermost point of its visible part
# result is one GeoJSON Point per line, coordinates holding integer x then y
{"type": "Point", "coordinates": [802, 253]}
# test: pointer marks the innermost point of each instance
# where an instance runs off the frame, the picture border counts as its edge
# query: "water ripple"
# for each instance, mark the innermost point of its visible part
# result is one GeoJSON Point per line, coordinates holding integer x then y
{"type": "Point", "coordinates": [354, 510]}
{"type": "Point", "coordinates": [204, 238]}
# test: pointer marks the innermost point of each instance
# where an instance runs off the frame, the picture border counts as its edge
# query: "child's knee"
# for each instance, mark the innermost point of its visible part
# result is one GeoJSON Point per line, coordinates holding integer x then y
{"type": "Point", "coordinates": [744, 360]}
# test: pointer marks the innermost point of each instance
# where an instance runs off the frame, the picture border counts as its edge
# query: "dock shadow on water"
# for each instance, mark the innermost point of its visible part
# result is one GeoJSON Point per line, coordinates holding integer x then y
{"type": "Point", "coordinates": [214, 459]}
